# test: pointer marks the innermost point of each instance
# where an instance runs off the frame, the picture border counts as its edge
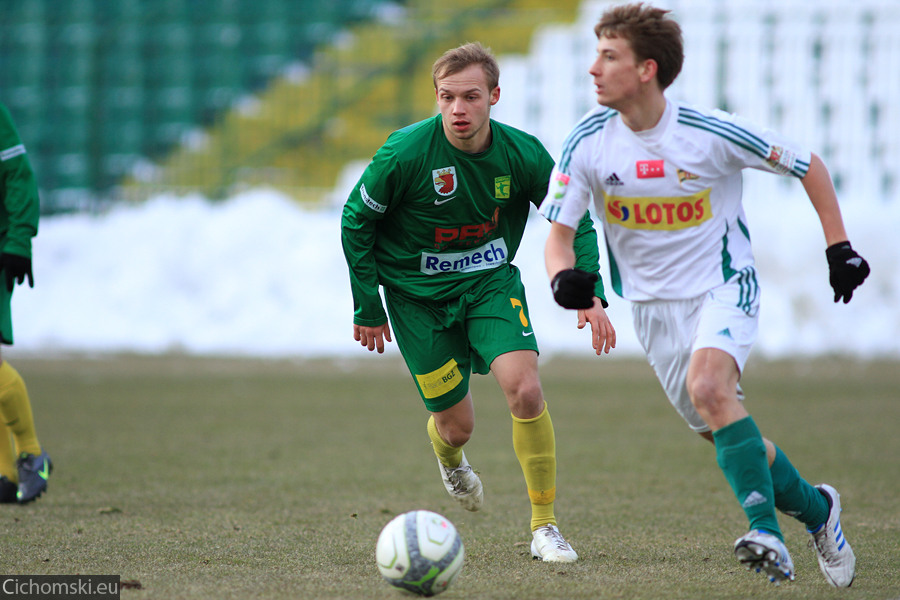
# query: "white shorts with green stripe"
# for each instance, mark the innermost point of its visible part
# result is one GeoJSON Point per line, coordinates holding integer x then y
{"type": "Point", "coordinates": [671, 331]}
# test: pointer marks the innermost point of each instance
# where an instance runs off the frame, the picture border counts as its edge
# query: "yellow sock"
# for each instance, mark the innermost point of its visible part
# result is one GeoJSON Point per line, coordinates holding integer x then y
{"type": "Point", "coordinates": [535, 446]}
{"type": "Point", "coordinates": [447, 454]}
{"type": "Point", "coordinates": [8, 458]}
{"type": "Point", "coordinates": [15, 409]}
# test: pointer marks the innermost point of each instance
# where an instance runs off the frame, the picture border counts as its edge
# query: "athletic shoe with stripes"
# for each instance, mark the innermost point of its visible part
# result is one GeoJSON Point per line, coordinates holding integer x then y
{"type": "Point", "coordinates": [463, 484]}
{"type": "Point", "coordinates": [549, 545]}
{"type": "Point", "coordinates": [836, 558]}
{"type": "Point", "coordinates": [761, 551]}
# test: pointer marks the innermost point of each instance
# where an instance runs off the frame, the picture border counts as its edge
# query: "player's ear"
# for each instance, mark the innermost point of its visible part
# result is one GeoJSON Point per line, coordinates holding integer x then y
{"type": "Point", "coordinates": [495, 95]}
{"type": "Point", "coordinates": [647, 70]}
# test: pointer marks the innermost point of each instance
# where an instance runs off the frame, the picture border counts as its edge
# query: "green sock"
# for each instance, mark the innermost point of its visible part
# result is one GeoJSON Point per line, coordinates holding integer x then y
{"type": "Point", "coordinates": [741, 454]}
{"type": "Point", "coordinates": [794, 496]}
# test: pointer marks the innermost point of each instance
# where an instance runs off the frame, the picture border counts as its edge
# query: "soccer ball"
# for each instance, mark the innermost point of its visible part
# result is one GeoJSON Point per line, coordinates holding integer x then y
{"type": "Point", "coordinates": [420, 551]}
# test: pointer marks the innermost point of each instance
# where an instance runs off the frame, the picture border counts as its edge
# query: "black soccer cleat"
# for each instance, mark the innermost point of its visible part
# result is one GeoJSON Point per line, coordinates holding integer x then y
{"type": "Point", "coordinates": [34, 470]}
{"type": "Point", "coordinates": [8, 490]}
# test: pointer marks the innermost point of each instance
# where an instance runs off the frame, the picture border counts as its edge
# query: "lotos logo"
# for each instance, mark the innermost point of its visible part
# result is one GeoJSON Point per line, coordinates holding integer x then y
{"type": "Point", "coordinates": [444, 180]}
{"type": "Point", "coordinates": [666, 214]}
{"type": "Point", "coordinates": [617, 210]}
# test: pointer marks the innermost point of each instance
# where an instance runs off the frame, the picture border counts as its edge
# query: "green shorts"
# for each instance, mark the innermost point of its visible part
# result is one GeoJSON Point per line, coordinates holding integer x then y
{"type": "Point", "coordinates": [444, 342]}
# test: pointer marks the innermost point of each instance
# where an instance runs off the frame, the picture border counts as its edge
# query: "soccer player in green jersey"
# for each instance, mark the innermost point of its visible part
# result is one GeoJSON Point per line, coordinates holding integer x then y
{"type": "Point", "coordinates": [24, 466]}
{"type": "Point", "coordinates": [436, 219]}
{"type": "Point", "coordinates": [666, 178]}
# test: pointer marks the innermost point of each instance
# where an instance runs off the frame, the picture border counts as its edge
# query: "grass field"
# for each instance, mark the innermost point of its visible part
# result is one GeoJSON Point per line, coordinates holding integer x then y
{"type": "Point", "coordinates": [223, 478]}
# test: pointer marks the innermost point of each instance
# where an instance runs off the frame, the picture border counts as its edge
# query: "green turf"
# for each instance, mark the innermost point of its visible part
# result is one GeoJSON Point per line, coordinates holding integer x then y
{"type": "Point", "coordinates": [214, 478]}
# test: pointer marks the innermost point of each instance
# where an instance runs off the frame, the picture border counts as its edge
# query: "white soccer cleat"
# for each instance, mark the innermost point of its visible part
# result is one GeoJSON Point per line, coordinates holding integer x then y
{"type": "Point", "coordinates": [836, 558]}
{"type": "Point", "coordinates": [760, 551]}
{"type": "Point", "coordinates": [463, 484]}
{"type": "Point", "coordinates": [550, 546]}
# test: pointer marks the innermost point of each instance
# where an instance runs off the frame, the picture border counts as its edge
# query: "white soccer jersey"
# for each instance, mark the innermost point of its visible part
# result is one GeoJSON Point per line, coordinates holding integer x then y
{"type": "Point", "coordinates": [669, 197]}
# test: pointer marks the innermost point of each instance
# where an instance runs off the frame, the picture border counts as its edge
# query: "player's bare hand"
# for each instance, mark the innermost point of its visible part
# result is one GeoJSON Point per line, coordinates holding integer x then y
{"type": "Point", "coordinates": [372, 337]}
{"type": "Point", "coordinates": [603, 334]}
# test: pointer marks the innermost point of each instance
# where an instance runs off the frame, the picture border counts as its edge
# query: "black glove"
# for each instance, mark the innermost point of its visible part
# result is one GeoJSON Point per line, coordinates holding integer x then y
{"type": "Point", "coordinates": [846, 270]}
{"type": "Point", "coordinates": [15, 268]}
{"type": "Point", "coordinates": [574, 288]}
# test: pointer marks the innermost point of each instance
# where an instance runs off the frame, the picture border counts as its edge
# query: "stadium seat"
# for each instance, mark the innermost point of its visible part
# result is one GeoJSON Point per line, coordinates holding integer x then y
{"type": "Point", "coordinates": [782, 62]}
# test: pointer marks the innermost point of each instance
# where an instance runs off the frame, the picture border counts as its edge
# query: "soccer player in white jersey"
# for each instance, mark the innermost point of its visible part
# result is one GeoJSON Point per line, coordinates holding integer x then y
{"type": "Point", "coordinates": [666, 180]}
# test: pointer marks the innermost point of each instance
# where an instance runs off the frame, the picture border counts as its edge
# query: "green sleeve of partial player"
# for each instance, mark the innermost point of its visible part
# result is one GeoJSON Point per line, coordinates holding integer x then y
{"type": "Point", "coordinates": [20, 209]}
{"type": "Point", "coordinates": [587, 254]}
{"type": "Point", "coordinates": [358, 240]}
{"type": "Point", "coordinates": [365, 208]}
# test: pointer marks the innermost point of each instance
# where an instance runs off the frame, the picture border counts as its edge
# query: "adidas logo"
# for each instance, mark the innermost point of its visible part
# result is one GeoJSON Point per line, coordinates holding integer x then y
{"type": "Point", "coordinates": [613, 180]}
{"type": "Point", "coordinates": [727, 333]}
{"type": "Point", "coordinates": [754, 498]}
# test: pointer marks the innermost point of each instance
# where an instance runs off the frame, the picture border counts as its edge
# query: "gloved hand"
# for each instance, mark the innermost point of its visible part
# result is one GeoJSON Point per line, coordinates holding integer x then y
{"type": "Point", "coordinates": [15, 268]}
{"type": "Point", "coordinates": [574, 288]}
{"type": "Point", "coordinates": [846, 270]}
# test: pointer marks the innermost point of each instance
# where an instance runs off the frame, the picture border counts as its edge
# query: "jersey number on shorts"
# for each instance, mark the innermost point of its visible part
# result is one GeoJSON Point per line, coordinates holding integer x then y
{"type": "Point", "coordinates": [516, 303]}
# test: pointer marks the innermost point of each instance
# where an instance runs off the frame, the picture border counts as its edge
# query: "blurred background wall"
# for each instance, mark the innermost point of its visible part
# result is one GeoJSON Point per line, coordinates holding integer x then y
{"type": "Point", "coordinates": [119, 100]}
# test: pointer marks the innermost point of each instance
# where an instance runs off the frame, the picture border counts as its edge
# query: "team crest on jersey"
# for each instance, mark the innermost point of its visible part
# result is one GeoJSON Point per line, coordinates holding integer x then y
{"type": "Point", "coordinates": [686, 176]}
{"type": "Point", "coordinates": [502, 186]}
{"type": "Point", "coordinates": [445, 181]}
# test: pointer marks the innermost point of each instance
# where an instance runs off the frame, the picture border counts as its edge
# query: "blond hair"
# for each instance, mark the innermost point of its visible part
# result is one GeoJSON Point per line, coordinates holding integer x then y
{"type": "Point", "coordinates": [457, 59]}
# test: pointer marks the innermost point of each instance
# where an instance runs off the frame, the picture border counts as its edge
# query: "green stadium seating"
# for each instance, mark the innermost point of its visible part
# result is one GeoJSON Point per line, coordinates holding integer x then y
{"type": "Point", "coordinates": [95, 84]}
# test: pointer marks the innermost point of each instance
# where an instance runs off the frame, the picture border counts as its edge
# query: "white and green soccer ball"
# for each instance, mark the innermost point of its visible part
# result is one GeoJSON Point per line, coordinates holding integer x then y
{"type": "Point", "coordinates": [420, 551]}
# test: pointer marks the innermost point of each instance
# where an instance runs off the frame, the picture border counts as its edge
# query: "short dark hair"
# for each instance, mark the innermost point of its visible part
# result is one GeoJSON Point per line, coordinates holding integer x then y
{"type": "Point", "coordinates": [457, 59]}
{"type": "Point", "coordinates": [651, 33]}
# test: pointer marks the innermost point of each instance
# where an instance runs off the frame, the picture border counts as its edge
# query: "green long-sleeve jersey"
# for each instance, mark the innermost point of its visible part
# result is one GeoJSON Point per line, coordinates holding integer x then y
{"type": "Point", "coordinates": [427, 219]}
{"type": "Point", "coordinates": [19, 204]}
